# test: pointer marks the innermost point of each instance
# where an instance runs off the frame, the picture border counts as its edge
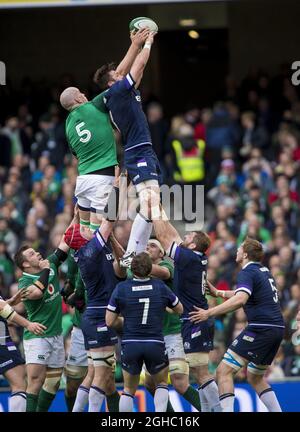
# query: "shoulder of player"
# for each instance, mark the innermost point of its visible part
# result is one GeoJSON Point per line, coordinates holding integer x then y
{"type": "Point", "coordinates": [26, 280]}
{"type": "Point", "coordinates": [166, 263]}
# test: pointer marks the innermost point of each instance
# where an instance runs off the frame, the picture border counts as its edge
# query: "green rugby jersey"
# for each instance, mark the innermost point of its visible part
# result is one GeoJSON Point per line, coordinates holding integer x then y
{"type": "Point", "coordinates": [171, 324]}
{"type": "Point", "coordinates": [91, 137]}
{"type": "Point", "coordinates": [48, 309]}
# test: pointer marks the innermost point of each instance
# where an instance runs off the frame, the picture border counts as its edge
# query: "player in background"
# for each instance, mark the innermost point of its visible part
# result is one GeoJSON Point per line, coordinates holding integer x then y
{"type": "Point", "coordinates": [77, 362]}
{"type": "Point", "coordinates": [11, 361]}
{"type": "Point", "coordinates": [92, 142]}
{"type": "Point", "coordinates": [44, 354]}
{"type": "Point", "coordinates": [142, 302]}
{"type": "Point", "coordinates": [190, 263]}
{"type": "Point", "coordinates": [257, 345]}
{"type": "Point", "coordinates": [123, 101]}
{"type": "Point", "coordinates": [178, 367]}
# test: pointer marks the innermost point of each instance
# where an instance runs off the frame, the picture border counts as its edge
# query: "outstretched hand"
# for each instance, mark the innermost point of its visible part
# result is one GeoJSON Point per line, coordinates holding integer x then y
{"type": "Point", "coordinates": [150, 38]}
{"type": "Point", "coordinates": [18, 297]}
{"type": "Point", "coordinates": [138, 38]}
{"type": "Point", "coordinates": [211, 290]}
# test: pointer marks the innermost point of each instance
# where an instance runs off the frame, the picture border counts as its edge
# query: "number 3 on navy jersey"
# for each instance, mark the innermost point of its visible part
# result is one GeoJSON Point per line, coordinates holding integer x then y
{"type": "Point", "coordinates": [85, 134]}
{"type": "Point", "coordinates": [274, 289]}
{"type": "Point", "coordinates": [146, 309]}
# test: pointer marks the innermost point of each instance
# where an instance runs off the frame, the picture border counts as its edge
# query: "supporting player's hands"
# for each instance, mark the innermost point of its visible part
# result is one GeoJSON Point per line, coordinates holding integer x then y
{"type": "Point", "coordinates": [44, 264]}
{"type": "Point", "coordinates": [138, 38]}
{"type": "Point", "coordinates": [211, 290]}
{"type": "Point", "coordinates": [199, 315]}
{"type": "Point", "coordinates": [36, 328]}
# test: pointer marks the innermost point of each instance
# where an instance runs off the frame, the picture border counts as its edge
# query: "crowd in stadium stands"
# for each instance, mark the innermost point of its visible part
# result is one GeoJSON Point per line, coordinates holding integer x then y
{"type": "Point", "coordinates": [251, 162]}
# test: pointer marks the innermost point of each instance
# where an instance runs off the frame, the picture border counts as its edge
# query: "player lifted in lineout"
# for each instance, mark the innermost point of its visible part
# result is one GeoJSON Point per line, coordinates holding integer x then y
{"type": "Point", "coordinates": [123, 101]}
{"type": "Point", "coordinates": [92, 142]}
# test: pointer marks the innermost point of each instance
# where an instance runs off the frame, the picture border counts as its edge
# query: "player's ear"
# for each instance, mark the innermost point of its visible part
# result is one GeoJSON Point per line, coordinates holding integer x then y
{"type": "Point", "coordinates": [193, 246]}
{"type": "Point", "coordinates": [25, 265]}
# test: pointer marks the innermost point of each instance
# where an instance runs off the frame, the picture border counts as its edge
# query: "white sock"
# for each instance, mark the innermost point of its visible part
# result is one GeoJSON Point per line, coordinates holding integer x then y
{"type": "Point", "coordinates": [126, 402]}
{"type": "Point", "coordinates": [161, 397]}
{"type": "Point", "coordinates": [227, 402]}
{"type": "Point", "coordinates": [17, 402]}
{"type": "Point", "coordinates": [211, 392]}
{"type": "Point", "coordinates": [96, 398]}
{"type": "Point", "coordinates": [139, 236]}
{"type": "Point", "coordinates": [269, 399]}
{"type": "Point", "coordinates": [82, 399]}
{"type": "Point", "coordinates": [203, 401]}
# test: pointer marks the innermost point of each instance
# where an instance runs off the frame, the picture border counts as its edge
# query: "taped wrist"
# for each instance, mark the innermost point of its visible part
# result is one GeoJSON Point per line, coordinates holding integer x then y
{"type": "Point", "coordinates": [112, 206]}
{"type": "Point", "coordinates": [42, 281]}
{"type": "Point", "coordinates": [7, 312]}
{"type": "Point", "coordinates": [61, 255]}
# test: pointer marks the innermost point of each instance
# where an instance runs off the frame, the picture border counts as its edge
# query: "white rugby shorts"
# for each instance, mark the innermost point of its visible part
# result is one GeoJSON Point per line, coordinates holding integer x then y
{"type": "Point", "coordinates": [92, 191]}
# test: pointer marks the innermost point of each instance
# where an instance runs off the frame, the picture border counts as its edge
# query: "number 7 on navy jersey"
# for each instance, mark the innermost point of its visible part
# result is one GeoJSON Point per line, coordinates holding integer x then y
{"type": "Point", "coordinates": [272, 283]}
{"type": "Point", "coordinates": [146, 309]}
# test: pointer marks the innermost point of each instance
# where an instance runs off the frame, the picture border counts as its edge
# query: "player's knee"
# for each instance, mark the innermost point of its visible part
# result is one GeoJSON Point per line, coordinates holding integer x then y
{"type": "Point", "coordinates": [255, 373]}
{"type": "Point", "coordinates": [75, 372]}
{"type": "Point", "coordinates": [230, 364]}
{"type": "Point", "coordinates": [52, 381]}
{"type": "Point", "coordinates": [180, 382]}
{"type": "Point", "coordinates": [74, 376]}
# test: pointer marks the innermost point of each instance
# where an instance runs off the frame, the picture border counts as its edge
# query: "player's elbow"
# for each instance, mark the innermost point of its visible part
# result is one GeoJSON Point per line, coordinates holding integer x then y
{"type": "Point", "coordinates": [179, 309]}
{"type": "Point", "coordinates": [109, 320]}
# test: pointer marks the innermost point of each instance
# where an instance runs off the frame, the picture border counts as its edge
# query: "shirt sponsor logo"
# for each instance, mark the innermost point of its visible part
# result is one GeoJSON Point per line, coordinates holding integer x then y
{"type": "Point", "coordinates": [109, 257]}
{"type": "Point", "coordinates": [93, 342]}
{"type": "Point", "coordinates": [53, 297]}
{"type": "Point", "coordinates": [235, 342]}
{"type": "Point", "coordinates": [264, 269]}
{"type": "Point", "coordinates": [141, 164]}
{"type": "Point", "coordinates": [138, 98]}
{"type": "Point", "coordinates": [142, 288]}
{"type": "Point", "coordinates": [41, 357]}
{"type": "Point", "coordinates": [248, 338]}
{"type": "Point", "coordinates": [101, 329]}
{"type": "Point", "coordinates": [12, 348]}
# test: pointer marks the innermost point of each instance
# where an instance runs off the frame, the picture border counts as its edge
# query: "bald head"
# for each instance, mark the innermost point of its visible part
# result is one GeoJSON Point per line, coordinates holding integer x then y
{"type": "Point", "coordinates": [72, 97]}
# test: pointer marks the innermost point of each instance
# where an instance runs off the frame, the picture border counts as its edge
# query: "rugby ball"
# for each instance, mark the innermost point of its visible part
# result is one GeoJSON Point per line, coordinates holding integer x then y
{"type": "Point", "coordinates": [141, 23]}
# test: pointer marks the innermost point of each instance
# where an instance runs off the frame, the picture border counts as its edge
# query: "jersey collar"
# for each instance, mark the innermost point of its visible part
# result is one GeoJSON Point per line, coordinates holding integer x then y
{"type": "Point", "coordinates": [31, 275]}
{"type": "Point", "coordinates": [141, 279]}
{"type": "Point", "coordinates": [250, 262]}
